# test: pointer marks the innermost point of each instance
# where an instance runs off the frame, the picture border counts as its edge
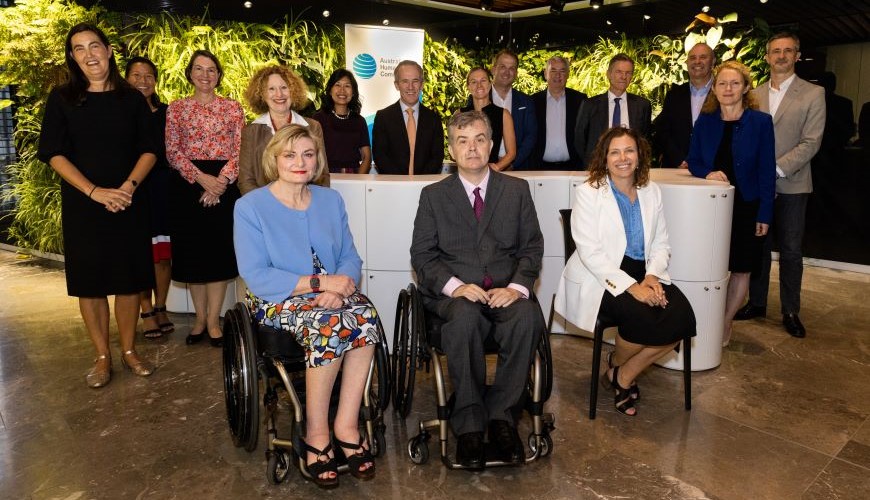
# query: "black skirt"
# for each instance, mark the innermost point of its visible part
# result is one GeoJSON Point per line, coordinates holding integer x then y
{"type": "Point", "coordinates": [647, 325]}
{"type": "Point", "coordinates": [202, 237]}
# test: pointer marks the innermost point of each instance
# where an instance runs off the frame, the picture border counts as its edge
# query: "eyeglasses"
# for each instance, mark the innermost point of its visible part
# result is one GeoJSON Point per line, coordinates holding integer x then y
{"type": "Point", "coordinates": [778, 52]}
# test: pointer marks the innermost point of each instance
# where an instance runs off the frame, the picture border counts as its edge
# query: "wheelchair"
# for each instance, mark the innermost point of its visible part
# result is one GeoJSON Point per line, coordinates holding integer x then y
{"type": "Point", "coordinates": [412, 351]}
{"type": "Point", "coordinates": [254, 353]}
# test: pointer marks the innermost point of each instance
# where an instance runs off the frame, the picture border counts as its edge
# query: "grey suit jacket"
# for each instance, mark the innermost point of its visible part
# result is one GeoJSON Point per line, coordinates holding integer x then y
{"type": "Point", "coordinates": [449, 241]}
{"type": "Point", "coordinates": [798, 128]}
{"type": "Point", "coordinates": [592, 121]}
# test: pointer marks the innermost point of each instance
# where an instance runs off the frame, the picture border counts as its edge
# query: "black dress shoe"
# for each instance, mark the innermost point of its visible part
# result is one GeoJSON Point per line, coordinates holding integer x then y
{"type": "Point", "coordinates": [505, 442]}
{"type": "Point", "coordinates": [470, 450]}
{"type": "Point", "coordinates": [194, 338]}
{"type": "Point", "coordinates": [750, 311]}
{"type": "Point", "coordinates": [793, 325]}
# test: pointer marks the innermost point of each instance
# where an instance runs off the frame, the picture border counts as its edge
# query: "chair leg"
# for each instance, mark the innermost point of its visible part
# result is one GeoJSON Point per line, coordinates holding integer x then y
{"type": "Point", "coordinates": [687, 371]}
{"type": "Point", "coordinates": [596, 364]}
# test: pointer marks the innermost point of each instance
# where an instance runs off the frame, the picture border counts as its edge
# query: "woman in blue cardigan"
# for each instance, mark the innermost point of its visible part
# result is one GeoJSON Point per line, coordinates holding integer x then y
{"type": "Point", "coordinates": [733, 142]}
{"type": "Point", "coordinates": [296, 254]}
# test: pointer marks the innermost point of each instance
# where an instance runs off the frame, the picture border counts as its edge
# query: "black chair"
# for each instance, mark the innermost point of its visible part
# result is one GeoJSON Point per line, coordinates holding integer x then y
{"type": "Point", "coordinates": [603, 323]}
{"type": "Point", "coordinates": [416, 343]}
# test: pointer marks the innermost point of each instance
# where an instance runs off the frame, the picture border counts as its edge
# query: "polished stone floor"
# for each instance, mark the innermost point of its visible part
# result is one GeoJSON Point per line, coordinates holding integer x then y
{"type": "Point", "coordinates": [781, 418]}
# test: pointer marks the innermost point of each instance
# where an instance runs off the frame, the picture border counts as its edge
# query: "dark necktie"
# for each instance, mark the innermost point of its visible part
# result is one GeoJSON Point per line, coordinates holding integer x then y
{"type": "Point", "coordinates": [617, 113]}
{"type": "Point", "coordinates": [478, 213]}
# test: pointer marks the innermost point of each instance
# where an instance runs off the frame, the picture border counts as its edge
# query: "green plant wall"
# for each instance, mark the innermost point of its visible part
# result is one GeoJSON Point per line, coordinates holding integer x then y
{"type": "Point", "coordinates": [31, 44]}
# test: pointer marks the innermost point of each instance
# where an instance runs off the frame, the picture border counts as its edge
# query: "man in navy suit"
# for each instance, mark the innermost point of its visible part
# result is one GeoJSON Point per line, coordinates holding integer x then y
{"type": "Point", "coordinates": [504, 71]}
{"type": "Point", "coordinates": [673, 126]}
{"type": "Point", "coordinates": [556, 110]}
{"type": "Point", "coordinates": [614, 108]}
{"type": "Point", "coordinates": [407, 137]}
{"type": "Point", "coordinates": [477, 250]}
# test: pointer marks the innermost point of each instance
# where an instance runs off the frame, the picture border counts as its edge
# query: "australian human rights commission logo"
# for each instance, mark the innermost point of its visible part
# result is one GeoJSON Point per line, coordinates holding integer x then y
{"type": "Point", "coordinates": [365, 66]}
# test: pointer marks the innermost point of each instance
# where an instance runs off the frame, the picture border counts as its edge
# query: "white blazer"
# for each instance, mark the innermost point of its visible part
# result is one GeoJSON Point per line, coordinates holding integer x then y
{"type": "Point", "coordinates": [599, 234]}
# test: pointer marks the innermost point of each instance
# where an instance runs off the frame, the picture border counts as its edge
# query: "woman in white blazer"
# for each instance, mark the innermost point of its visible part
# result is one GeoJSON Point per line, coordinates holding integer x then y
{"type": "Point", "coordinates": [620, 268]}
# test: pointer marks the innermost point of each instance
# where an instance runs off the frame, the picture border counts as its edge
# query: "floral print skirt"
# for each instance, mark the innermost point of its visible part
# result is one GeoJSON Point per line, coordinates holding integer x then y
{"type": "Point", "coordinates": [325, 334]}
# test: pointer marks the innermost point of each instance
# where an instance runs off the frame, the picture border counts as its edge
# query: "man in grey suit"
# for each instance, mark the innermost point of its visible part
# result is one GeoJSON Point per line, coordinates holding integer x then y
{"type": "Point", "coordinates": [477, 251]}
{"type": "Point", "coordinates": [614, 108]}
{"type": "Point", "coordinates": [798, 110]}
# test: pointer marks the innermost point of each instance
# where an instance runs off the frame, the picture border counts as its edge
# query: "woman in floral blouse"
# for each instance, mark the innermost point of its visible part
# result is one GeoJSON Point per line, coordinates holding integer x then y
{"type": "Point", "coordinates": [203, 135]}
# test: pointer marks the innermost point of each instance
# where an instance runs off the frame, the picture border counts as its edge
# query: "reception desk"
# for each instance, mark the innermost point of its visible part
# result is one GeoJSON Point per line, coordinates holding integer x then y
{"type": "Point", "coordinates": [381, 211]}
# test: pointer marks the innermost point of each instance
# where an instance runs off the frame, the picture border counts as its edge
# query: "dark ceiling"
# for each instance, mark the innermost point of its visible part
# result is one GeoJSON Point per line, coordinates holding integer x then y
{"type": "Point", "coordinates": [526, 23]}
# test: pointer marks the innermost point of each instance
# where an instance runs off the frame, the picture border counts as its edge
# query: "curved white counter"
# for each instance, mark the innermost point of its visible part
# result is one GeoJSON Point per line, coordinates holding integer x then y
{"type": "Point", "coordinates": [381, 211]}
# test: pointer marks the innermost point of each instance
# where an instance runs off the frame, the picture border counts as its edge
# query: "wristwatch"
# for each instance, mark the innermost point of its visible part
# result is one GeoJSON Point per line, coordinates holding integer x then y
{"type": "Point", "coordinates": [314, 283]}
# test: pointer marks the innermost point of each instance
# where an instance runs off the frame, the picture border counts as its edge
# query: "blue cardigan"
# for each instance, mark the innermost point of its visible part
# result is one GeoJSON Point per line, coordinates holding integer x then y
{"type": "Point", "coordinates": [273, 243]}
{"type": "Point", "coordinates": [754, 157]}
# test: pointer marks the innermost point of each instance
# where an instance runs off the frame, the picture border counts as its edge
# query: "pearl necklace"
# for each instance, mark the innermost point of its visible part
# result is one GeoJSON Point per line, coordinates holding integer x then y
{"type": "Point", "coordinates": [341, 117]}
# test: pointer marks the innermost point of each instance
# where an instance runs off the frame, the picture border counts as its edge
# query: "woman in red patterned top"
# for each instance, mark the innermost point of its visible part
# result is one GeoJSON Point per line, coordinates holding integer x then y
{"type": "Point", "coordinates": [203, 135]}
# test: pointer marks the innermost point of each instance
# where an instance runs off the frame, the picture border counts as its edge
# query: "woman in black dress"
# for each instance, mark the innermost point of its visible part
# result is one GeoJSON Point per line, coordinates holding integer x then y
{"type": "Point", "coordinates": [141, 73]}
{"type": "Point", "coordinates": [479, 86]}
{"type": "Point", "coordinates": [733, 142]}
{"type": "Point", "coordinates": [98, 134]}
{"type": "Point", "coordinates": [345, 133]}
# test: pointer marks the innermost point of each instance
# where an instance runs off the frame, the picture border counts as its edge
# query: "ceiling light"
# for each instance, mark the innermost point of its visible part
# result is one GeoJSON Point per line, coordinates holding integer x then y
{"type": "Point", "coordinates": [557, 6]}
{"type": "Point", "coordinates": [248, 4]}
{"type": "Point", "coordinates": [385, 22]}
{"type": "Point", "coordinates": [326, 13]}
{"type": "Point", "coordinates": [705, 8]}
{"type": "Point", "coordinates": [608, 22]}
{"type": "Point", "coordinates": [485, 4]}
{"type": "Point", "coordinates": [596, 3]}
{"type": "Point", "coordinates": [763, 1]}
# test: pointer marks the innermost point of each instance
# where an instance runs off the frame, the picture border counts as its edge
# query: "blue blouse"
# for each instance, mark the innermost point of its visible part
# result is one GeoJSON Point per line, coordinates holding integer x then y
{"type": "Point", "coordinates": [273, 243]}
{"type": "Point", "coordinates": [632, 222]}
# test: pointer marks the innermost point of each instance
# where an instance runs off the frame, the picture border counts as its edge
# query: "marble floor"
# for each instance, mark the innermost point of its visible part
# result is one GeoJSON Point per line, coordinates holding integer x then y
{"type": "Point", "coordinates": [781, 418]}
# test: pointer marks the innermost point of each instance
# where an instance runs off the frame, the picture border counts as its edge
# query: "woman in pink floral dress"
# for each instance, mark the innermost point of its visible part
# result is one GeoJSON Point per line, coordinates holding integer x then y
{"type": "Point", "coordinates": [203, 135]}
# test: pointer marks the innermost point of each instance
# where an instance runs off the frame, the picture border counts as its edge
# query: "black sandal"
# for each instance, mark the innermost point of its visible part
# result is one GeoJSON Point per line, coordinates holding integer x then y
{"type": "Point", "coordinates": [319, 467]}
{"type": "Point", "coordinates": [634, 390]}
{"type": "Point", "coordinates": [356, 460]}
{"type": "Point", "coordinates": [622, 399]}
{"type": "Point", "coordinates": [167, 327]}
{"type": "Point", "coordinates": [154, 333]}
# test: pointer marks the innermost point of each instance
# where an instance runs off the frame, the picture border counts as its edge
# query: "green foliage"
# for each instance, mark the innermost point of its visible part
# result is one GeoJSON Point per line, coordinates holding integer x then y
{"type": "Point", "coordinates": [31, 55]}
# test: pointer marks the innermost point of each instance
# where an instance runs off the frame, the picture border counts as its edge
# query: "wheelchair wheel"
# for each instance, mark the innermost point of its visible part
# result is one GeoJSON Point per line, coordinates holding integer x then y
{"type": "Point", "coordinates": [278, 466]}
{"type": "Point", "coordinates": [546, 444]}
{"type": "Point", "coordinates": [405, 337]}
{"type": "Point", "coordinates": [547, 366]}
{"type": "Point", "coordinates": [241, 389]}
{"type": "Point", "coordinates": [379, 441]}
{"type": "Point", "coordinates": [418, 450]}
{"type": "Point", "coordinates": [382, 379]}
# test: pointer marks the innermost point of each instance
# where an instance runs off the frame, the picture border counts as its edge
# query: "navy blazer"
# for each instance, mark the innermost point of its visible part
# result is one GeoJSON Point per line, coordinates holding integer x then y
{"type": "Point", "coordinates": [593, 120]}
{"type": "Point", "coordinates": [525, 127]}
{"type": "Point", "coordinates": [753, 150]}
{"type": "Point", "coordinates": [672, 128]}
{"type": "Point", "coordinates": [390, 148]}
{"type": "Point", "coordinates": [572, 107]}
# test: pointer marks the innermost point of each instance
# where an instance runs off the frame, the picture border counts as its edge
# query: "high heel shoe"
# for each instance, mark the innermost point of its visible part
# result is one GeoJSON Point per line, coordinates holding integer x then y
{"type": "Point", "coordinates": [633, 389]}
{"type": "Point", "coordinates": [324, 464]}
{"type": "Point", "coordinates": [153, 333]}
{"type": "Point", "coordinates": [622, 399]}
{"type": "Point", "coordinates": [194, 338]}
{"type": "Point", "coordinates": [168, 326]}
{"type": "Point", "coordinates": [136, 365]}
{"type": "Point", "coordinates": [357, 459]}
{"type": "Point", "coordinates": [99, 375]}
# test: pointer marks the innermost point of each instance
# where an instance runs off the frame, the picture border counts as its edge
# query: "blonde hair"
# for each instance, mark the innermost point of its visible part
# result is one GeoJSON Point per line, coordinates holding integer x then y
{"type": "Point", "coordinates": [256, 91]}
{"type": "Point", "coordinates": [287, 138]}
{"type": "Point", "coordinates": [711, 104]}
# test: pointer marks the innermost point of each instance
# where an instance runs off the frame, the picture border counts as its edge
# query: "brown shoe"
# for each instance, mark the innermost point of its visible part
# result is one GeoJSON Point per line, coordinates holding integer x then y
{"type": "Point", "coordinates": [101, 373]}
{"type": "Point", "coordinates": [141, 368]}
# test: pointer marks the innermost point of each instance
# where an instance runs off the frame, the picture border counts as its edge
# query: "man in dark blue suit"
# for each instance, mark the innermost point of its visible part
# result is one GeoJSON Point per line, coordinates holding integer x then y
{"type": "Point", "coordinates": [477, 250]}
{"type": "Point", "coordinates": [673, 126]}
{"type": "Point", "coordinates": [614, 108]}
{"type": "Point", "coordinates": [504, 71]}
{"type": "Point", "coordinates": [556, 110]}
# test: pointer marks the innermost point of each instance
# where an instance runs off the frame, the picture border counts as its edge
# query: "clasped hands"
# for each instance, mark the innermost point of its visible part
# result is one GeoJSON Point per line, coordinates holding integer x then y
{"type": "Point", "coordinates": [114, 199]}
{"type": "Point", "coordinates": [334, 288]}
{"type": "Point", "coordinates": [214, 187]}
{"type": "Point", "coordinates": [494, 297]}
{"type": "Point", "coordinates": [649, 291]}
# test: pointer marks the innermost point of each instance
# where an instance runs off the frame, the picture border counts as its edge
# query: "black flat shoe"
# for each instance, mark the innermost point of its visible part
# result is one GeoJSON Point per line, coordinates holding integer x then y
{"type": "Point", "coordinates": [194, 338]}
{"type": "Point", "coordinates": [216, 341]}
{"type": "Point", "coordinates": [793, 326]}
{"type": "Point", "coordinates": [470, 452]}
{"type": "Point", "coordinates": [504, 442]}
{"type": "Point", "coordinates": [750, 311]}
